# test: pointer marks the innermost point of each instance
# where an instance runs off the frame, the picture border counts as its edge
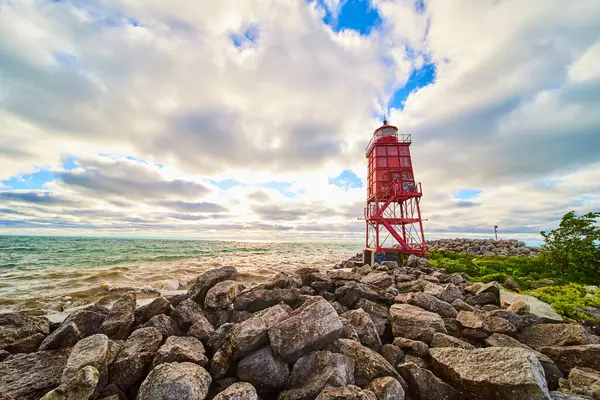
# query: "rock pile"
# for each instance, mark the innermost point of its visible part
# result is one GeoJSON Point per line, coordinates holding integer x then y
{"type": "Point", "coordinates": [484, 247]}
{"type": "Point", "coordinates": [367, 332]}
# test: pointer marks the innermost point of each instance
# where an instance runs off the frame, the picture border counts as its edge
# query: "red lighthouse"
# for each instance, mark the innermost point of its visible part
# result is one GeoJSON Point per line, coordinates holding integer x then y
{"type": "Point", "coordinates": [393, 217]}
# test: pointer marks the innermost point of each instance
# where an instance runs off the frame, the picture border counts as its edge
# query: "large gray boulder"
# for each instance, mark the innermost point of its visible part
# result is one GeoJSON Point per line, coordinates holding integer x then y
{"type": "Point", "coordinates": [258, 299]}
{"type": "Point", "coordinates": [119, 321]}
{"type": "Point", "coordinates": [91, 351]}
{"type": "Point", "coordinates": [221, 296]}
{"type": "Point", "coordinates": [207, 280]}
{"type": "Point", "coordinates": [88, 320]}
{"type": "Point", "coordinates": [536, 307]}
{"type": "Point", "coordinates": [175, 381]}
{"type": "Point", "coordinates": [15, 327]}
{"type": "Point", "coordinates": [415, 323]}
{"type": "Point", "coordinates": [365, 328]}
{"type": "Point", "coordinates": [387, 388]}
{"type": "Point", "coordinates": [349, 294]}
{"type": "Point", "coordinates": [181, 349]}
{"type": "Point", "coordinates": [381, 280]}
{"type": "Point", "coordinates": [186, 314]}
{"type": "Point", "coordinates": [514, 372]}
{"type": "Point", "coordinates": [568, 357]}
{"type": "Point", "coordinates": [368, 364]}
{"type": "Point", "coordinates": [263, 370]}
{"type": "Point", "coordinates": [81, 386]}
{"type": "Point", "coordinates": [65, 335]}
{"type": "Point", "coordinates": [165, 325]}
{"type": "Point", "coordinates": [443, 340]}
{"type": "Point", "coordinates": [377, 312]}
{"type": "Point", "coordinates": [252, 334]}
{"type": "Point", "coordinates": [316, 370]}
{"type": "Point", "coordinates": [29, 376]}
{"type": "Point", "coordinates": [202, 329]}
{"type": "Point", "coordinates": [427, 302]}
{"type": "Point", "coordinates": [238, 391]}
{"type": "Point", "coordinates": [158, 306]}
{"type": "Point", "coordinates": [585, 382]}
{"type": "Point", "coordinates": [135, 356]}
{"type": "Point", "coordinates": [346, 393]}
{"type": "Point", "coordinates": [30, 344]}
{"type": "Point", "coordinates": [424, 385]}
{"type": "Point", "coordinates": [448, 292]}
{"type": "Point", "coordinates": [542, 335]}
{"type": "Point", "coordinates": [310, 327]}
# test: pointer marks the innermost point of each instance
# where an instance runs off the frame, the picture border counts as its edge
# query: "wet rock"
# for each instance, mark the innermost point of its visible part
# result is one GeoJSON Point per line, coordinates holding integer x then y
{"type": "Point", "coordinates": [585, 382]}
{"type": "Point", "coordinates": [442, 340]}
{"type": "Point", "coordinates": [482, 299]}
{"type": "Point", "coordinates": [88, 320]}
{"type": "Point", "coordinates": [135, 356]}
{"type": "Point", "coordinates": [514, 372]}
{"type": "Point", "coordinates": [252, 334]}
{"type": "Point", "coordinates": [415, 323]}
{"type": "Point", "coordinates": [221, 295]}
{"type": "Point", "coordinates": [424, 385]}
{"type": "Point", "coordinates": [81, 386]}
{"type": "Point", "coordinates": [365, 328]}
{"type": "Point", "coordinates": [177, 299]}
{"type": "Point", "coordinates": [312, 372]}
{"type": "Point", "coordinates": [368, 365]}
{"type": "Point", "coordinates": [15, 327]}
{"type": "Point", "coordinates": [387, 388]}
{"type": "Point", "coordinates": [165, 325]}
{"type": "Point", "coordinates": [158, 306]}
{"type": "Point", "coordinates": [29, 376]}
{"type": "Point", "coordinates": [568, 357]}
{"type": "Point", "coordinates": [181, 349]}
{"type": "Point", "coordinates": [91, 351]}
{"type": "Point", "coordinates": [207, 280]}
{"type": "Point", "coordinates": [187, 314]}
{"type": "Point", "coordinates": [29, 344]}
{"type": "Point", "coordinates": [381, 280]}
{"type": "Point", "coordinates": [181, 381]}
{"type": "Point", "coordinates": [346, 393]}
{"type": "Point", "coordinates": [259, 299]}
{"type": "Point", "coordinates": [65, 336]}
{"type": "Point", "coordinates": [412, 347]}
{"type": "Point", "coordinates": [238, 391]}
{"type": "Point", "coordinates": [392, 354]}
{"type": "Point", "coordinates": [349, 294]}
{"type": "Point", "coordinates": [119, 321]}
{"type": "Point", "coordinates": [348, 331]}
{"type": "Point", "coordinates": [542, 335]}
{"type": "Point", "coordinates": [427, 302]}
{"type": "Point", "coordinates": [263, 370]}
{"type": "Point", "coordinates": [202, 330]}
{"type": "Point", "coordinates": [310, 327]}
{"type": "Point", "coordinates": [377, 312]}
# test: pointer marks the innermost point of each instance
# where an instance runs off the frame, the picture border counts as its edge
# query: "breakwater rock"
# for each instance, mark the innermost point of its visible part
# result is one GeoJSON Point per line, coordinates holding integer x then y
{"type": "Point", "coordinates": [484, 247]}
{"type": "Point", "coordinates": [367, 332]}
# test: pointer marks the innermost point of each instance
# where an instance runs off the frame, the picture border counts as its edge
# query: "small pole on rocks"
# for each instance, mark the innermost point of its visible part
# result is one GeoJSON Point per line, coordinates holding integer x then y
{"type": "Point", "coordinates": [496, 231]}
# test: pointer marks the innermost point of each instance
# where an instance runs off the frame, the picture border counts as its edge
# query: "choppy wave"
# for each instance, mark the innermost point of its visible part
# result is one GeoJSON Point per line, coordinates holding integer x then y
{"type": "Point", "coordinates": [57, 274]}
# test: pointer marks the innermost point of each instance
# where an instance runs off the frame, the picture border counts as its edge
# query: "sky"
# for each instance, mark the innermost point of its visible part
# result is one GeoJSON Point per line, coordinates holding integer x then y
{"type": "Point", "coordinates": [248, 120]}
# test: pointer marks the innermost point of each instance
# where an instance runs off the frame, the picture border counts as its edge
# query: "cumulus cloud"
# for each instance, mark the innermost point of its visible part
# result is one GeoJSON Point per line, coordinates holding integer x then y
{"type": "Point", "coordinates": [214, 118]}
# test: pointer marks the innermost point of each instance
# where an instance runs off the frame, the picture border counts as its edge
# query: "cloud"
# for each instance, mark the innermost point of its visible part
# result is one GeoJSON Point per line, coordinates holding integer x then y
{"type": "Point", "coordinates": [160, 105]}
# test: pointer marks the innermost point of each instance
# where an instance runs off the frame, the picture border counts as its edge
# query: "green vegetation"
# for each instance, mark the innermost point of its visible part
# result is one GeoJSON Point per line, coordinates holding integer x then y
{"type": "Point", "coordinates": [570, 258]}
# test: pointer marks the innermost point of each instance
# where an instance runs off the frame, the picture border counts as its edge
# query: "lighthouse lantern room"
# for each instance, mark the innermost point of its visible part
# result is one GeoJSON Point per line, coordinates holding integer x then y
{"type": "Point", "coordinates": [392, 214]}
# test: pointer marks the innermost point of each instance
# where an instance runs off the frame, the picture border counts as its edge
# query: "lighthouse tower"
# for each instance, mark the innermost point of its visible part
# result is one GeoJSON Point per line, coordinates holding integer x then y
{"type": "Point", "coordinates": [393, 217]}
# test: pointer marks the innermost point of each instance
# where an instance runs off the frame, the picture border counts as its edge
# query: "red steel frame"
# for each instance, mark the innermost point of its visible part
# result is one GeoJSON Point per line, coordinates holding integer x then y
{"type": "Point", "coordinates": [392, 215]}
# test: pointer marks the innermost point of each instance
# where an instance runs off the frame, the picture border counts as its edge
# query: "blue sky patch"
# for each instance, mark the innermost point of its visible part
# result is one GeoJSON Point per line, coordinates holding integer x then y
{"type": "Point", "coordinates": [29, 181]}
{"type": "Point", "coordinates": [245, 39]}
{"type": "Point", "coordinates": [358, 15]}
{"type": "Point", "coordinates": [467, 194]}
{"type": "Point", "coordinates": [282, 187]}
{"type": "Point", "coordinates": [346, 180]}
{"type": "Point", "coordinates": [418, 79]}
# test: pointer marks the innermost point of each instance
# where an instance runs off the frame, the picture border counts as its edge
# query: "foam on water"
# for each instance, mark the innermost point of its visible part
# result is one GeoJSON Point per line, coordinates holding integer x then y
{"type": "Point", "coordinates": [48, 275]}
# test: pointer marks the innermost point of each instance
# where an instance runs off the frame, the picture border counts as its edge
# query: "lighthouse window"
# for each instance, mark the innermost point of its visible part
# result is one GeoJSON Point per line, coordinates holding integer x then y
{"type": "Point", "coordinates": [381, 151]}
{"type": "Point", "coordinates": [392, 151]}
{"type": "Point", "coordinates": [403, 151]}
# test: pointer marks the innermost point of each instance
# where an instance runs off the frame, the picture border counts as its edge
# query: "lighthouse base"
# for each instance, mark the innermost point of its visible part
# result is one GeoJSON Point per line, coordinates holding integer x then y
{"type": "Point", "coordinates": [372, 257]}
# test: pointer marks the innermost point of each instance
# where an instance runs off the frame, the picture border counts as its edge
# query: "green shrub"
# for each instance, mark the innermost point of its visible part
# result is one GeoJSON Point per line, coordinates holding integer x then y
{"type": "Point", "coordinates": [566, 298]}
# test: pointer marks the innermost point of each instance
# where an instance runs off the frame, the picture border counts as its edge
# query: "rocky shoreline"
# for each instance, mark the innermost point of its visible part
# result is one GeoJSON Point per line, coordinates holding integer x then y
{"type": "Point", "coordinates": [358, 332]}
{"type": "Point", "coordinates": [484, 247]}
